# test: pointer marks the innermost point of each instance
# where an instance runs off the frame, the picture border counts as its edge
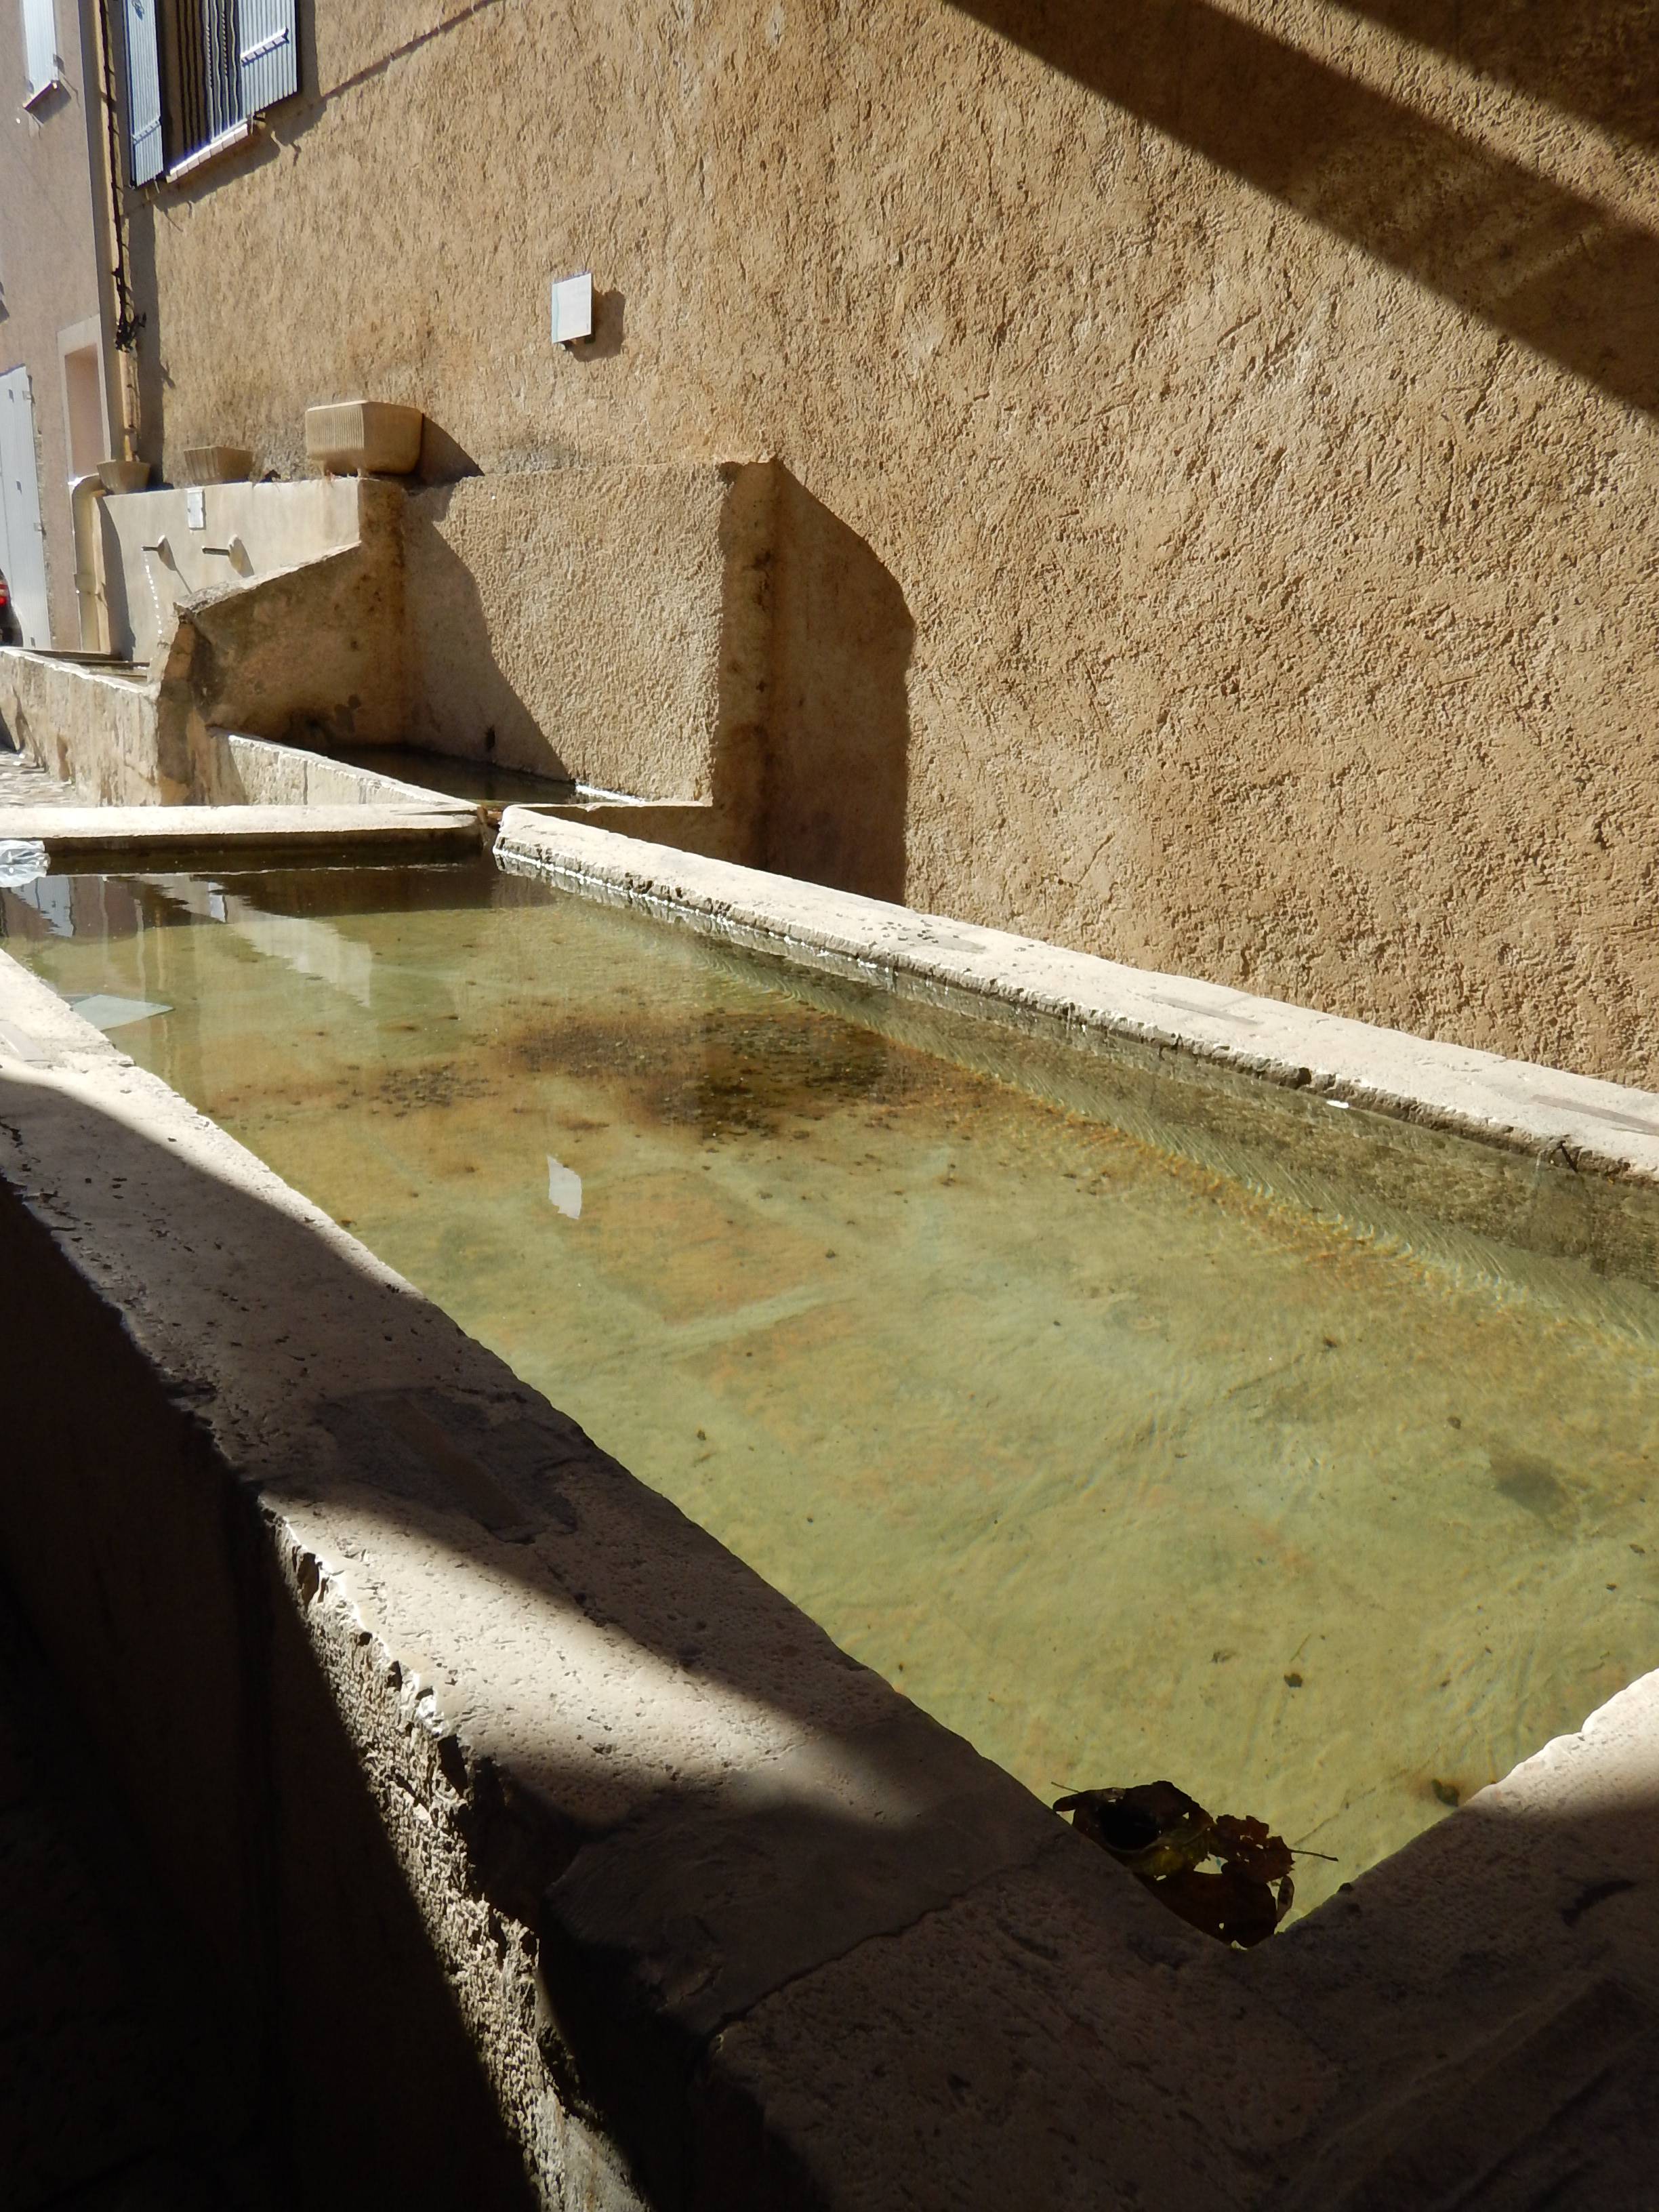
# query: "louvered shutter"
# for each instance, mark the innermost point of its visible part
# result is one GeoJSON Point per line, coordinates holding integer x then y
{"type": "Point", "coordinates": [268, 52]}
{"type": "Point", "coordinates": [145, 158]}
{"type": "Point", "coordinates": [40, 45]}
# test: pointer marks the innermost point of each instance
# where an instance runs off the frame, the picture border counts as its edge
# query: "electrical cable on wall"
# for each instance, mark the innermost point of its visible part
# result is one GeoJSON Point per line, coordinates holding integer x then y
{"type": "Point", "coordinates": [127, 325]}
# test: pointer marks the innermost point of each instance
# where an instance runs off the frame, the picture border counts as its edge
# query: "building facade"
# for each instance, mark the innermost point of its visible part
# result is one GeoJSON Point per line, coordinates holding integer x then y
{"type": "Point", "coordinates": [1227, 431]}
{"type": "Point", "coordinates": [57, 370]}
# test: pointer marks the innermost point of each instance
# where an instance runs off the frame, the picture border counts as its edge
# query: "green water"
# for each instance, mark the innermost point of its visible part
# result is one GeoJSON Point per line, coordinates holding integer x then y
{"type": "Point", "coordinates": [1118, 1465]}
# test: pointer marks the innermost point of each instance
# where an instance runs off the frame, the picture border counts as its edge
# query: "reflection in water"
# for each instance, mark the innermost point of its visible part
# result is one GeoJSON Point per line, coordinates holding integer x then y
{"type": "Point", "coordinates": [106, 1012]}
{"type": "Point", "coordinates": [1119, 1463]}
{"type": "Point", "coordinates": [308, 946]}
{"type": "Point", "coordinates": [50, 897]}
{"type": "Point", "coordinates": [564, 1189]}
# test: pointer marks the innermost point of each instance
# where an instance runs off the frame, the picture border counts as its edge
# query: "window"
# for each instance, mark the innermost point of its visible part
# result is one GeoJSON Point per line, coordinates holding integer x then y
{"type": "Point", "coordinates": [39, 48]}
{"type": "Point", "coordinates": [198, 71]}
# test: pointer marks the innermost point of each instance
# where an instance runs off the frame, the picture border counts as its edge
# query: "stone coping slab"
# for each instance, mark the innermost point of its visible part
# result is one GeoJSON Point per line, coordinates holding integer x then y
{"type": "Point", "coordinates": [90, 838]}
{"type": "Point", "coordinates": [1605, 1126]}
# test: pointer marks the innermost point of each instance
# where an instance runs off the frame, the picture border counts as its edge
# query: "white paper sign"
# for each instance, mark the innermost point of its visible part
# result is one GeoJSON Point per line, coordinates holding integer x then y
{"type": "Point", "coordinates": [573, 307]}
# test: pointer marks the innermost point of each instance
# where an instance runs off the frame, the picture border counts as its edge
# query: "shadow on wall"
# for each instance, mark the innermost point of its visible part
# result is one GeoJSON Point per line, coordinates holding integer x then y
{"type": "Point", "coordinates": [610, 321]}
{"type": "Point", "coordinates": [1532, 259]}
{"type": "Point", "coordinates": [837, 773]}
{"type": "Point", "coordinates": [443, 459]}
{"type": "Point", "coordinates": [454, 658]}
{"type": "Point", "coordinates": [152, 376]}
{"type": "Point", "coordinates": [1599, 61]}
{"type": "Point", "coordinates": [710, 638]}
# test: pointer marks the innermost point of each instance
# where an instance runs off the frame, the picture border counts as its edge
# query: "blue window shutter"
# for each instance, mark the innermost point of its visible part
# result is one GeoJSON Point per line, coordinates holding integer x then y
{"type": "Point", "coordinates": [268, 51]}
{"type": "Point", "coordinates": [144, 156]}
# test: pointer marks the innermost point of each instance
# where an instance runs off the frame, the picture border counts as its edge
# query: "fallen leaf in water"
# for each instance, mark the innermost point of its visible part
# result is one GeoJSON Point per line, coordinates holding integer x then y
{"type": "Point", "coordinates": [1164, 1836]}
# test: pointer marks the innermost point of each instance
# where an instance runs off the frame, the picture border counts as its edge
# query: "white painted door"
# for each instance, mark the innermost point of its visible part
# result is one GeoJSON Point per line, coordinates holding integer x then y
{"type": "Point", "coordinates": [22, 539]}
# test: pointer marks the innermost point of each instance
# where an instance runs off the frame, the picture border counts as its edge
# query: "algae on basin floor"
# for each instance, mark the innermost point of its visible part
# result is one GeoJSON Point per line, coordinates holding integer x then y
{"type": "Point", "coordinates": [1118, 1467]}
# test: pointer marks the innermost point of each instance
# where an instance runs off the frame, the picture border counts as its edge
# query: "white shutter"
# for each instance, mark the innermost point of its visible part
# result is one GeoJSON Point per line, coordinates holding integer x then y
{"type": "Point", "coordinates": [144, 153]}
{"type": "Point", "coordinates": [22, 539]}
{"type": "Point", "coordinates": [39, 47]}
{"type": "Point", "coordinates": [268, 49]}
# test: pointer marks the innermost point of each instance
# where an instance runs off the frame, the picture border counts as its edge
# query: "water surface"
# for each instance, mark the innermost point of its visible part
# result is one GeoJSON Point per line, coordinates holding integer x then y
{"type": "Point", "coordinates": [1122, 1465]}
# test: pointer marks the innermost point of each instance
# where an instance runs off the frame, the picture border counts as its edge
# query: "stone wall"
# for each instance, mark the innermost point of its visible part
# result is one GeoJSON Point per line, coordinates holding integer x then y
{"type": "Point", "coordinates": [1250, 406]}
{"type": "Point", "coordinates": [246, 530]}
{"type": "Point", "coordinates": [88, 728]}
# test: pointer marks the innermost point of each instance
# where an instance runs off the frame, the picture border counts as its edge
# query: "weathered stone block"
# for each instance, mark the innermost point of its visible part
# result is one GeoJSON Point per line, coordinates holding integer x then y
{"type": "Point", "coordinates": [364, 437]}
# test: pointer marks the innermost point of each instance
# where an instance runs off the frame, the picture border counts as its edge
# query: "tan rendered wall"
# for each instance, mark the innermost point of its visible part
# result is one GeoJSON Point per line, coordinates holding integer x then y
{"type": "Point", "coordinates": [1246, 408]}
{"type": "Point", "coordinates": [503, 572]}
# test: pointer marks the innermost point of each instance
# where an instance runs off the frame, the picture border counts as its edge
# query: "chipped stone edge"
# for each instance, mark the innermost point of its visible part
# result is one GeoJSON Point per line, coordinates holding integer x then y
{"type": "Point", "coordinates": [1597, 1127]}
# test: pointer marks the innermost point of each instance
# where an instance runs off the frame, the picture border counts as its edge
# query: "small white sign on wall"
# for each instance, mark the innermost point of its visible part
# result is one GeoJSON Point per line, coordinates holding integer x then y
{"type": "Point", "coordinates": [195, 507]}
{"type": "Point", "coordinates": [573, 307]}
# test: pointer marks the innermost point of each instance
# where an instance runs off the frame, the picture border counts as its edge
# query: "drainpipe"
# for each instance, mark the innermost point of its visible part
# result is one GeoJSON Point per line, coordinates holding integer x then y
{"type": "Point", "coordinates": [127, 325]}
{"type": "Point", "coordinates": [90, 598]}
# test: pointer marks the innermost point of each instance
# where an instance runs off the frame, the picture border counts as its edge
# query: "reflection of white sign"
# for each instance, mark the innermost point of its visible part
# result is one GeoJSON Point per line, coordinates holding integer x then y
{"type": "Point", "coordinates": [564, 1189]}
{"type": "Point", "coordinates": [106, 1012]}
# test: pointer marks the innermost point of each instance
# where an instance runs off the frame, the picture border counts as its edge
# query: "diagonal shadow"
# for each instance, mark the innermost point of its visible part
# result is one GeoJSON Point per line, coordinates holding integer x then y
{"type": "Point", "coordinates": [1524, 1929]}
{"type": "Point", "coordinates": [1598, 59]}
{"type": "Point", "coordinates": [1542, 264]}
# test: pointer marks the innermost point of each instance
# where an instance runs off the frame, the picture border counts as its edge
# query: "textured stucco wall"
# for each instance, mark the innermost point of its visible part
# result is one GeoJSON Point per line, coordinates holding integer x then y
{"type": "Point", "coordinates": [503, 575]}
{"type": "Point", "coordinates": [1251, 403]}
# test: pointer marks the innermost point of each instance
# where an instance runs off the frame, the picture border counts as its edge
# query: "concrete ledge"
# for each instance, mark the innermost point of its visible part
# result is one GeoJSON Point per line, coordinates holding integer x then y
{"type": "Point", "coordinates": [86, 726]}
{"type": "Point", "coordinates": [1598, 1126]}
{"type": "Point", "coordinates": [88, 838]}
{"type": "Point", "coordinates": [688, 827]}
{"type": "Point", "coordinates": [258, 772]}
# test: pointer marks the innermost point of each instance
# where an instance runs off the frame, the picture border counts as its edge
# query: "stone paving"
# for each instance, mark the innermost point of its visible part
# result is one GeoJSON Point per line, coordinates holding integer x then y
{"type": "Point", "coordinates": [23, 784]}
